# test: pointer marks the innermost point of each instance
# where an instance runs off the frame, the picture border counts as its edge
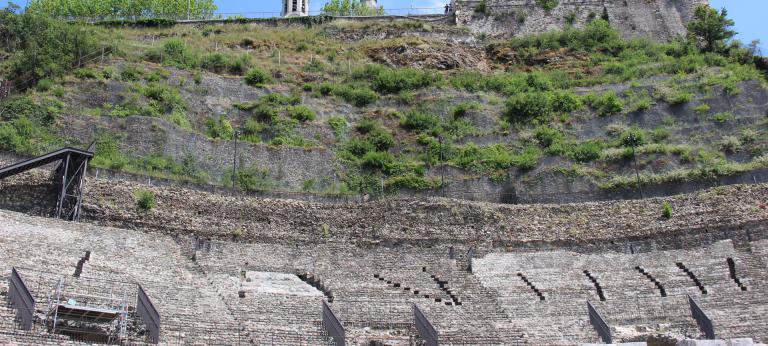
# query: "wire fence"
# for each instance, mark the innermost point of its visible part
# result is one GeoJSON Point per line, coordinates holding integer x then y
{"type": "Point", "coordinates": [218, 16]}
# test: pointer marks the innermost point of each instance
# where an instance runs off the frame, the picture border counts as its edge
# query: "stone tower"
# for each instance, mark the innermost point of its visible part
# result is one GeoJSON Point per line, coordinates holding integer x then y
{"type": "Point", "coordinates": [295, 8]}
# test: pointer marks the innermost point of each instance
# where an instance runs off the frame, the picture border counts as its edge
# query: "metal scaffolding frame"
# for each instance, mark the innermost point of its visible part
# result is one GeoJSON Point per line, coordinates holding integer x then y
{"type": "Point", "coordinates": [69, 177]}
{"type": "Point", "coordinates": [85, 302]}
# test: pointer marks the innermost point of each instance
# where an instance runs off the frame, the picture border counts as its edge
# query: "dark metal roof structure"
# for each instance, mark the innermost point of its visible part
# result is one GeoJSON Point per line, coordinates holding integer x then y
{"type": "Point", "coordinates": [37, 162]}
{"type": "Point", "coordinates": [69, 177]}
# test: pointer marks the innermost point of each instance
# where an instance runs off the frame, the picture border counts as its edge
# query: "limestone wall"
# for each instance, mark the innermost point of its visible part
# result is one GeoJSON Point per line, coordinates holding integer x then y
{"type": "Point", "coordinates": [655, 19]}
{"type": "Point", "coordinates": [198, 293]}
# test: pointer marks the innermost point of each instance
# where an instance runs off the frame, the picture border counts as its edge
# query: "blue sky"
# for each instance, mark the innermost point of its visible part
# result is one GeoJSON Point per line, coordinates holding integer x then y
{"type": "Point", "coordinates": [748, 14]}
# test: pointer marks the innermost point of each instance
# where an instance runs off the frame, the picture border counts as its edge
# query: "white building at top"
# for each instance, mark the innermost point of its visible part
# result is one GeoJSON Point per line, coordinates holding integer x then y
{"type": "Point", "coordinates": [300, 8]}
{"type": "Point", "coordinates": [295, 8]}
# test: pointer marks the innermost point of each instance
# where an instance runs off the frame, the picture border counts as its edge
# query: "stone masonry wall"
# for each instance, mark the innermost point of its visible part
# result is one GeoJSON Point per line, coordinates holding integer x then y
{"type": "Point", "coordinates": [425, 222]}
{"type": "Point", "coordinates": [656, 19]}
{"type": "Point", "coordinates": [738, 212]}
{"type": "Point", "coordinates": [290, 166]}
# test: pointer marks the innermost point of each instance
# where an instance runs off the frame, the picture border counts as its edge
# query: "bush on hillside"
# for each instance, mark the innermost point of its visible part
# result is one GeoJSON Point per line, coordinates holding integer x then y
{"type": "Point", "coordinates": [145, 200]}
{"type": "Point", "coordinates": [418, 120]}
{"type": "Point", "coordinates": [257, 78]}
{"type": "Point", "coordinates": [301, 113]}
{"type": "Point", "coordinates": [527, 106]}
{"type": "Point", "coordinates": [392, 81]}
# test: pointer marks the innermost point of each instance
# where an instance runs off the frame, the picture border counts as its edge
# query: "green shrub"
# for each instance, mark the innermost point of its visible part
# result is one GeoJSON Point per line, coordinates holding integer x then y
{"type": "Point", "coordinates": [86, 73]}
{"type": "Point", "coordinates": [407, 97]}
{"type": "Point", "coordinates": [301, 113]}
{"type": "Point", "coordinates": [659, 135]}
{"type": "Point", "coordinates": [596, 36]}
{"type": "Point", "coordinates": [666, 210]}
{"type": "Point", "coordinates": [462, 109]}
{"type": "Point", "coordinates": [381, 139]}
{"type": "Point", "coordinates": [339, 125]}
{"type": "Point", "coordinates": [25, 125]}
{"type": "Point", "coordinates": [358, 147]}
{"type": "Point", "coordinates": [548, 5]}
{"type": "Point", "coordinates": [606, 104]}
{"type": "Point", "coordinates": [527, 159]}
{"type": "Point", "coordinates": [131, 73]}
{"type": "Point", "coordinates": [481, 7]}
{"type": "Point", "coordinates": [492, 158]}
{"type": "Point", "coordinates": [44, 85]}
{"type": "Point", "coordinates": [411, 181]}
{"type": "Point", "coordinates": [471, 81]}
{"type": "Point", "coordinates": [679, 97]}
{"type": "Point", "coordinates": [164, 98]}
{"type": "Point", "coordinates": [263, 111]}
{"type": "Point", "coordinates": [418, 120]}
{"type": "Point", "coordinates": [358, 96]}
{"type": "Point", "coordinates": [565, 101]}
{"type": "Point", "coordinates": [174, 52]}
{"type": "Point", "coordinates": [702, 108]}
{"type": "Point", "coordinates": [158, 75]}
{"type": "Point", "coordinates": [633, 137]}
{"type": "Point", "coordinates": [722, 117]}
{"type": "Point", "coordinates": [547, 136]}
{"type": "Point", "coordinates": [180, 118]}
{"type": "Point", "coordinates": [145, 199]}
{"type": "Point", "coordinates": [219, 128]}
{"type": "Point", "coordinates": [748, 135]}
{"type": "Point", "coordinates": [377, 160]}
{"type": "Point", "coordinates": [387, 80]}
{"type": "Point", "coordinates": [730, 144]}
{"type": "Point", "coordinates": [314, 65]}
{"type": "Point", "coordinates": [280, 99]}
{"type": "Point", "coordinates": [257, 78]}
{"type": "Point", "coordinates": [586, 151]}
{"type": "Point", "coordinates": [366, 125]}
{"type": "Point", "coordinates": [483, 158]}
{"type": "Point", "coordinates": [241, 65]}
{"type": "Point", "coordinates": [459, 128]}
{"type": "Point", "coordinates": [250, 178]}
{"type": "Point", "coordinates": [108, 154]}
{"type": "Point", "coordinates": [215, 62]}
{"type": "Point", "coordinates": [527, 106]}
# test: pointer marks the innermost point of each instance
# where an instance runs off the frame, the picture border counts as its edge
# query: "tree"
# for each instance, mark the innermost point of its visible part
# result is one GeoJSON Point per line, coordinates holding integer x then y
{"type": "Point", "coordinates": [711, 28]}
{"type": "Point", "coordinates": [39, 47]}
{"type": "Point", "coordinates": [754, 48]}
{"type": "Point", "coordinates": [350, 8]}
{"type": "Point", "coordinates": [92, 9]}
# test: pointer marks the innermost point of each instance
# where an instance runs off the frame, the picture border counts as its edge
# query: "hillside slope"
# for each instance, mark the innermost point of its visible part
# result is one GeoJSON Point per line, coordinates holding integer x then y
{"type": "Point", "coordinates": [386, 107]}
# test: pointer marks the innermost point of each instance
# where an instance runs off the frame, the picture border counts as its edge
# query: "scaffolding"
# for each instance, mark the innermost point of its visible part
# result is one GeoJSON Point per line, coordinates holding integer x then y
{"type": "Point", "coordinates": [69, 177]}
{"type": "Point", "coordinates": [90, 309]}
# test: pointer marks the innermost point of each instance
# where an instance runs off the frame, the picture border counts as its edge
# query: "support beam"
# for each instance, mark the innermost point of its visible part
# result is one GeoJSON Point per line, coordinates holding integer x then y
{"type": "Point", "coordinates": [597, 320]}
{"type": "Point", "coordinates": [63, 192]}
{"type": "Point", "coordinates": [426, 330]}
{"type": "Point", "coordinates": [704, 322]}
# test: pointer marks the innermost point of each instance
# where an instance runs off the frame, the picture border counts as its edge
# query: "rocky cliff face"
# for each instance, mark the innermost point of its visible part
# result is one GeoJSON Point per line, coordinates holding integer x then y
{"type": "Point", "coordinates": [656, 19]}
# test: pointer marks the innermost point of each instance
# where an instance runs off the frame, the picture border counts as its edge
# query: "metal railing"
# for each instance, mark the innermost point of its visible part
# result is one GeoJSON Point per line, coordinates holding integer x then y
{"type": "Point", "coordinates": [599, 323]}
{"type": "Point", "coordinates": [388, 12]}
{"type": "Point", "coordinates": [38, 330]}
{"type": "Point", "coordinates": [333, 326]}
{"type": "Point", "coordinates": [704, 322]}
{"type": "Point", "coordinates": [149, 315]}
{"type": "Point", "coordinates": [21, 299]}
{"type": "Point", "coordinates": [427, 332]}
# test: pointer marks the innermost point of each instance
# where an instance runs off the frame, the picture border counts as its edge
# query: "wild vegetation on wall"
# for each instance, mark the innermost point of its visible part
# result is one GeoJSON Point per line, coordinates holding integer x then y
{"type": "Point", "coordinates": [391, 126]}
